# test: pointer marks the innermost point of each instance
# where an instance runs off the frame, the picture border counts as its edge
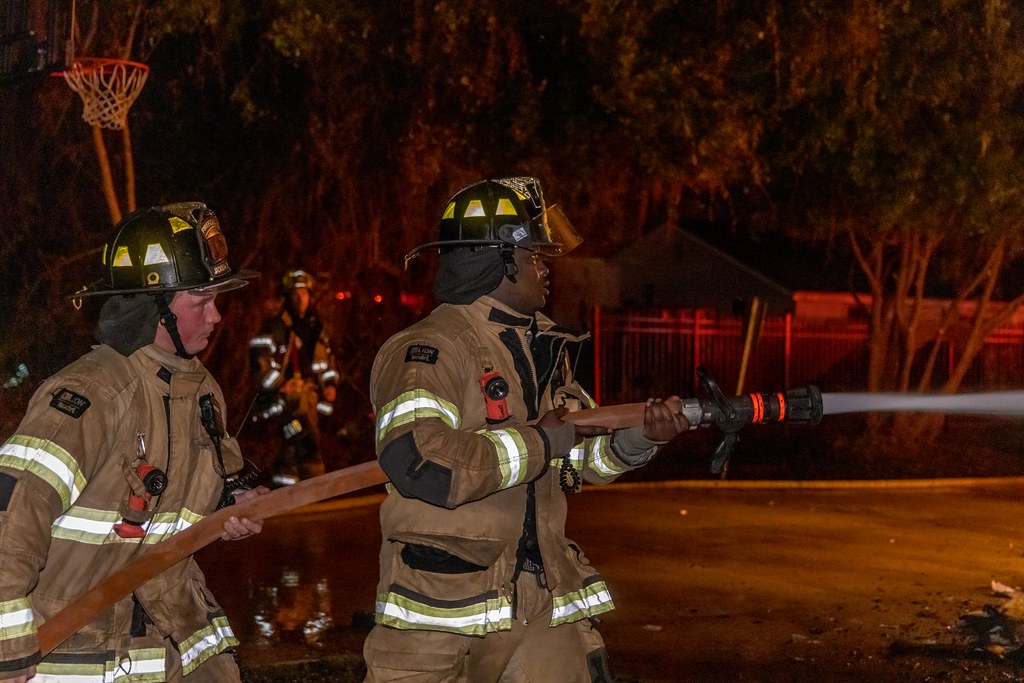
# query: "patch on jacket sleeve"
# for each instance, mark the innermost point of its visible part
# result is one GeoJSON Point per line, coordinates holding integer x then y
{"type": "Point", "coordinates": [7, 483]}
{"type": "Point", "coordinates": [421, 353]}
{"type": "Point", "coordinates": [67, 401]}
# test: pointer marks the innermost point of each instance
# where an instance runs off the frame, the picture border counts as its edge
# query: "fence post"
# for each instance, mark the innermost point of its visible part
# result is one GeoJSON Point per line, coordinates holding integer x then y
{"type": "Point", "coordinates": [698, 316]}
{"type": "Point", "coordinates": [596, 326]}
{"type": "Point", "coordinates": [787, 351]}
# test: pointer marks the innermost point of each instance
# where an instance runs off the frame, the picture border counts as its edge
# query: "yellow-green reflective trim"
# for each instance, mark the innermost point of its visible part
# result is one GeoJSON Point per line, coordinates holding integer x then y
{"type": "Point", "coordinates": [602, 461]}
{"type": "Point", "coordinates": [141, 665]}
{"type": "Point", "coordinates": [206, 643]}
{"type": "Point", "coordinates": [589, 601]}
{"type": "Point", "coordinates": [17, 619]}
{"type": "Point", "coordinates": [575, 458]}
{"type": "Point", "coordinates": [588, 400]}
{"type": "Point", "coordinates": [415, 405]}
{"type": "Point", "coordinates": [46, 460]}
{"type": "Point", "coordinates": [488, 614]}
{"type": "Point", "coordinates": [96, 527]}
{"type": "Point", "coordinates": [510, 450]}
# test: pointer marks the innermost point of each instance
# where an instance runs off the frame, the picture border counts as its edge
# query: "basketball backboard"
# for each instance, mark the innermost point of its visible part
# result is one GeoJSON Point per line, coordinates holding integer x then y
{"type": "Point", "coordinates": [35, 37]}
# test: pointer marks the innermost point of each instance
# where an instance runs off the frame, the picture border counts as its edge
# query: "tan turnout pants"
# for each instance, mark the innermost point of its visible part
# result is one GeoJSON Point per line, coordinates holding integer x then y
{"type": "Point", "coordinates": [531, 652]}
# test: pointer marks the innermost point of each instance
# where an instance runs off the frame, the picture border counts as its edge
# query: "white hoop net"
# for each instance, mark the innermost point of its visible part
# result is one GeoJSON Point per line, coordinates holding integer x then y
{"type": "Point", "coordinates": [108, 88]}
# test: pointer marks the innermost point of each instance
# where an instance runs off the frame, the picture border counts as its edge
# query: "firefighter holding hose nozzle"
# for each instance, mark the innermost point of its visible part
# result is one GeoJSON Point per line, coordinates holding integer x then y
{"type": "Point", "coordinates": [478, 581]}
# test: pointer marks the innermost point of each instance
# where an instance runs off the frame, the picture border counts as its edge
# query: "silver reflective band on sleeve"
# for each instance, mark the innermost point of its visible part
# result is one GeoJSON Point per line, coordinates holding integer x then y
{"type": "Point", "coordinates": [270, 381]}
{"type": "Point", "coordinates": [412, 405]}
{"type": "Point", "coordinates": [318, 366]}
{"type": "Point", "coordinates": [510, 449]}
{"type": "Point", "coordinates": [601, 459]}
{"type": "Point", "coordinates": [275, 408]}
{"type": "Point", "coordinates": [48, 461]}
{"type": "Point", "coordinates": [324, 408]}
{"type": "Point", "coordinates": [291, 429]}
{"type": "Point", "coordinates": [261, 343]}
{"type": "Point", "coordinates": [329, 375]}
{"type": "Point", "coordinates": [16, 619]}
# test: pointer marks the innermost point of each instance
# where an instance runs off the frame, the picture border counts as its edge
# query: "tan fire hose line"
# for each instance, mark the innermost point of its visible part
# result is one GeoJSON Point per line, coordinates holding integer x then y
{"type": "Point", "coordinates": [171, 551]}
{"type": "Point", "coordinates": [167, 553]}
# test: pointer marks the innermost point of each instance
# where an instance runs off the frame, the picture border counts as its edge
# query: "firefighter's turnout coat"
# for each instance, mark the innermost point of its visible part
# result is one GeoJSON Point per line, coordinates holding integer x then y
{"type": "Point", "coordinates": [288, 347]}
{"type": "Point", "coordinates": [468, 493]}
{"type": "Point", "coordinates": [65, 477]}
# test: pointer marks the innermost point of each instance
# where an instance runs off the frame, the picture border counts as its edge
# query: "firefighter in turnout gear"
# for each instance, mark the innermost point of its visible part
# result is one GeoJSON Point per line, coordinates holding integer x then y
{"type": "Point", "coordinates": [296, 379]}
{"type": "Point", "coordinates": [478, 581]}
{"type": "Point", "coordinates": [119, 450]}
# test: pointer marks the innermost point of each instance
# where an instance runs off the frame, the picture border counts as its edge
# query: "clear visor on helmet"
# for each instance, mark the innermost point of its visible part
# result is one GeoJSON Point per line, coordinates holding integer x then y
{"type": "Point", "coordinates": [556, 235]}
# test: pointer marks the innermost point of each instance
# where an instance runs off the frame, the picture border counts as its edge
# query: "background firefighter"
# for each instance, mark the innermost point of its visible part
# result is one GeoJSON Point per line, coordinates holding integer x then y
{"type": "Point", "coordinates": [478, 581]}
{"type": "Point", "coordinates": [117, 451]}
{"type": "Point", "coordinates": [296, 378]}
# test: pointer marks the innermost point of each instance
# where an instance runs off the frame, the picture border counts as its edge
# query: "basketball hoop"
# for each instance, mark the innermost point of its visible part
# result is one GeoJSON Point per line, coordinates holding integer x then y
{"type": "Point", "coordinates": [108, 88]}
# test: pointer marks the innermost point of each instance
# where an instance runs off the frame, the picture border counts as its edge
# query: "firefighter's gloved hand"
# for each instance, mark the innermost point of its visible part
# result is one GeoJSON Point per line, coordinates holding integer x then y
{"type": "Point", "coordinates": [240, 527]}
{"type": "Point", "coordinates": [660, 423]}
{"type": "Point", "coordinates": [561, 435]}
{"type": "Point", "coordinates": [636, 445]}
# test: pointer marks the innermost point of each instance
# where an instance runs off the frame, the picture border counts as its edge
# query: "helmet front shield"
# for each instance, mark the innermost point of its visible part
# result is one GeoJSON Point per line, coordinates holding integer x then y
{"type": "Point", "coordinates": [553, 234]}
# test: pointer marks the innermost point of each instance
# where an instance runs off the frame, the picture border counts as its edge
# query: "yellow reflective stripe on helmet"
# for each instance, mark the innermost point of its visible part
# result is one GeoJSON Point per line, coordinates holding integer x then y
{"type": "Point", "coordinates": [589, 601]}
{"type": "Point", "coordinates": [416, 405]}
{"type": "Point", "coordinates": [512, 456]}
{"type": "Point", "coordinates": [16, 619]}
{"type": "Point", "coordinates": [474, 209]}
{"type": "Point", "coordinates": [96, 527]}
{"type": "Point", "coordinates": [505, 208]}
{"type": "Point", "coordinates": [206, 643]}
{"type": "Point", "coordinates": [601, 459]}
{"type": "Point", "coordinates": [46, 460]}
{"type": "Point", "coordinates": [477, 616]}
{"type": "Point", "coordinates": [141, 665]}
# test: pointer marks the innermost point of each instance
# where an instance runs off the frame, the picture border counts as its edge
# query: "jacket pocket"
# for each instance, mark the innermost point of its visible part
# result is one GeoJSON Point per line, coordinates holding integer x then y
{"type": "Point", "coordinates": [480, 552]}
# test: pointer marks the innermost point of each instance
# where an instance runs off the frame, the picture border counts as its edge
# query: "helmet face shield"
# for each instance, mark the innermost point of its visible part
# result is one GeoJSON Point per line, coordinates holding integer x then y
{"type": "Point", "coordinates": [554, 234]}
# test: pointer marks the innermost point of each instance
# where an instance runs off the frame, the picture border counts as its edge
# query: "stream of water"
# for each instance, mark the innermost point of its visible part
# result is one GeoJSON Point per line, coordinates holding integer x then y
{"type": "Point", "coordinates": [998, 403]}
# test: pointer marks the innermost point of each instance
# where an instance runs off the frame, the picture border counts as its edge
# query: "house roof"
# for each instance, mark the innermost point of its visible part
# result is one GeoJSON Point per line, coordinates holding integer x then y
{"type": "Point", "coordinates": [670, 267]}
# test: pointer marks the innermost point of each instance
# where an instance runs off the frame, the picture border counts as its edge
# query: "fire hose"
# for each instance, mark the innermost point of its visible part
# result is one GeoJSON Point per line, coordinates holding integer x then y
{"type": "Point", "coordinates": [802, 405]}
{"type": "Point", "coordinates": [728, 414]}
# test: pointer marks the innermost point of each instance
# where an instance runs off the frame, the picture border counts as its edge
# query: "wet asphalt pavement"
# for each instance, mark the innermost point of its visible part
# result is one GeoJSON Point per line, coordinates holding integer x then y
{"type": "Point", "coordinates": [712, 583]}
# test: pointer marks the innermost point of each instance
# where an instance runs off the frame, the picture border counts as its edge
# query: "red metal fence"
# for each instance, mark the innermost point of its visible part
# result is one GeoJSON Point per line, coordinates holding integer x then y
{"type": "Point", "coordinates": [655, 353]}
